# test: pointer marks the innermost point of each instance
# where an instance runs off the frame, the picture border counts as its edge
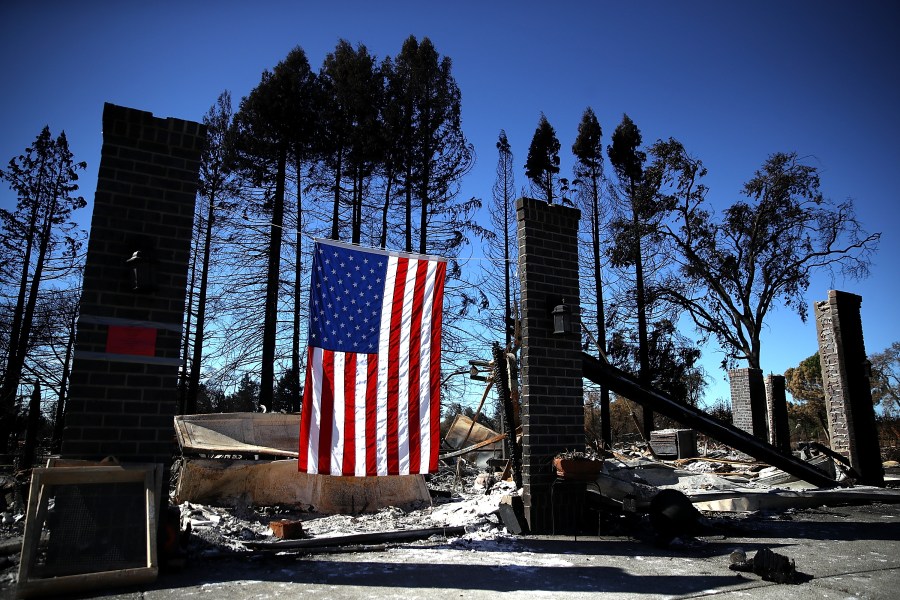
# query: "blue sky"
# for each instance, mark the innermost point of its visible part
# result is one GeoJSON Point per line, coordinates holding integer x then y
{"type": "Point", "coordinates": [733, 81]}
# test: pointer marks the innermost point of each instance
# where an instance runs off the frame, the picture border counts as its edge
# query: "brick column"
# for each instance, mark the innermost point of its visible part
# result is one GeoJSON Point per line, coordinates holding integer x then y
{"type": "Point", "coordinates": [748, 401]}
{"type": "Point", "coordinates": [552, 390]}
{"type": "Point", "coordinates": [122, 395]}
{"type": "Point", "coordinates": [776, 404]}
{"type": "Point", "coordinates": [845, 375]}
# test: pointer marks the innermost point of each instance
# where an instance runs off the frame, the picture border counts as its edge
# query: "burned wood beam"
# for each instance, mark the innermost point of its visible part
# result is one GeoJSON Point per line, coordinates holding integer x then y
{"type": "Point", "coordinates": [623, 384]}
{"type": "Point", "coordinates": [473, 447]}
{"type": "Point", "coordinates": [501, 379]}
{"type": "Point", "coordinates": [357, 539]}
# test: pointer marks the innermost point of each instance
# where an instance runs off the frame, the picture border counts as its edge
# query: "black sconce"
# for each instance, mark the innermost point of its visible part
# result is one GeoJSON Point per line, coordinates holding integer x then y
{"type": "Point", "coordinates": [141, 272]}
{"type": "Point", "coordinates": [562, 319]}
{"type": "Point", "coordinates": [476, 368]}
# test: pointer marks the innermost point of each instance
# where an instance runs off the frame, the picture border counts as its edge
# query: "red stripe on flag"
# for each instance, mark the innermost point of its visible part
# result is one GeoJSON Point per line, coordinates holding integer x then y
{"type": "Point", "coordinates": [326, 415]}
{"type": "Point", "coordinates": [371, 416]}
{"type": "Point", "coordinates": [415, 350]}
{"type": "Point", "coordinates": [435, 378]}
{"type": "Point", "coordinates": [305, 414]}
{"type": "Point", "coordinates": [393, 382]}
{"type": "Point", "coordinates": [349, 463]}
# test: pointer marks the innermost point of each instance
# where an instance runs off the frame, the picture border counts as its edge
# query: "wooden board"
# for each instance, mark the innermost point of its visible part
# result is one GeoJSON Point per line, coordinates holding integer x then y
{"type": "Point", "coordinates": [273, 434]}
{"type": "Point", "coordinates": [463, 433]}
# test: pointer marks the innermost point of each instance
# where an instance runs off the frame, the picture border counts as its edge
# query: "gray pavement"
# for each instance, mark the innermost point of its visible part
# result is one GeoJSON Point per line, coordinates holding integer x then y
{"type": "Point", "coordinates": [848, 552]}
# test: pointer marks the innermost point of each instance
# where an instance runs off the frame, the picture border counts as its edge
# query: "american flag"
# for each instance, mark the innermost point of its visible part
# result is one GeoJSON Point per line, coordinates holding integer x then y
{"type": "Point", "coordinates": [371, 401]}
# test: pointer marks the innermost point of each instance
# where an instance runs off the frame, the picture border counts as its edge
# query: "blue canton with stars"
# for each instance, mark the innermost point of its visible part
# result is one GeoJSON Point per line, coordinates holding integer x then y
{"type": "Point", "coordinates": [346, 295]}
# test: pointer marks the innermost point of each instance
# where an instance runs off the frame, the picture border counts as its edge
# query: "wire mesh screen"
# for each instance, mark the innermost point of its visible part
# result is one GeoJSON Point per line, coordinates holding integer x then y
{"type": "Point", "coordinates": [93, 527]}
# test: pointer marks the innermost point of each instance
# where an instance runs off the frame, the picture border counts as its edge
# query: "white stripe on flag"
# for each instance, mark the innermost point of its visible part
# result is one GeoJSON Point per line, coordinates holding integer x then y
{"type": "Point", "coordinates": [405, 341]}
{"type": "Point", "coordinates": [425, 368]}
{"type": "Point", "coordinates": [362, 370]}
{"type": "Point", "coordinates": [313, 448]}
{"type": "Point", "coordinates": [337, 424]}
{"type": "Point", "coordinates": [383, 352]}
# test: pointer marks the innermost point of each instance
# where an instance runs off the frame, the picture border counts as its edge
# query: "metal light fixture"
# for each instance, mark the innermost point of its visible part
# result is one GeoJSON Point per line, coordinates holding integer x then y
{"type": "Point", "coordinates": [476, 368]}
{"type": "Point", "coordinates": [562, 319]}
{"type": "Point", "coordinates": [141, 271]}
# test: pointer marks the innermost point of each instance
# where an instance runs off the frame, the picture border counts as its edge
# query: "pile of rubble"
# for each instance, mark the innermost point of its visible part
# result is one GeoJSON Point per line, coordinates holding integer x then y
{"type": "Point", "coordinates": [463, 496]}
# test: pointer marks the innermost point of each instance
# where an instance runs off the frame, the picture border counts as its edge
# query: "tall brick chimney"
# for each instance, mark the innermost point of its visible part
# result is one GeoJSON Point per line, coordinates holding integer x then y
{"type": "Point", "coordinates": [552, 388]}
{"type": "Point", "coordinates": [122, 395]}
{"type": "Point", "coordinates": [848, 394]}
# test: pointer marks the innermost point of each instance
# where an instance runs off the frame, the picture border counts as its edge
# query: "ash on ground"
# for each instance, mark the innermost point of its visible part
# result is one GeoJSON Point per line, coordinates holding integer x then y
{"type": "Point", "coordinates": [462, 495]}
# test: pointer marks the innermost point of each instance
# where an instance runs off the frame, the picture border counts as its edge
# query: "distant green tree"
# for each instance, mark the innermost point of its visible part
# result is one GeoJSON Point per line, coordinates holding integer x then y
{"type": "Point", "coordinates": [721, 411]}
{"type": "Point", "coordinates": [246, 398]}
{"type": "Point", "coordinates": [286, 391]}
{"type": "Point", "coordinates": [542, 163]}
{"type": "Point", "coordinates": [37, 237]}
{"type": "Point", "coordinates": [440, 155]}
{"type": "Point", "coordinates": [210, 400]}
{"type": "Point", "coordinates": [808, 413]}
{"type": "Point", "coordinates": [396, 120]}
{"type": "Point", "coordinates": [886, 378]}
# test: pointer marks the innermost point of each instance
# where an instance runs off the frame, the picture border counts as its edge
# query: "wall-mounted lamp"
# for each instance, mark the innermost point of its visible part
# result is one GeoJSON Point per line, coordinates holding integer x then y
{"type": "Point", "coordinates": [141, 270]}
{"type": "Point", "coordinates": [562, 319]}
{"type": "Point", "coordinates": [476, 368]}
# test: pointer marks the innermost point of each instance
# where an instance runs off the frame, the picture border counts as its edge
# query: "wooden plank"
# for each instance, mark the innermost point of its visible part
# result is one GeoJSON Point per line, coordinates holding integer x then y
{"type": "Point", "coordinates": [273, 434]}
{"type": "Point", "coordinates": [36, 513]}
{"type": "Point", "coordinates": [748, 500]}
{"type": "Point", "coordinates": [152, 491]}
{"type": "Point", "coordinates": [85, 475]}
{"type": "Point", "coordinates": [69, 584]}
{"type": "Point", "coordinates": [491, 440]}
{"type": "Point", "coordinates": [465, 429]}
{"type": "Point", "coordinates": [376, 537]}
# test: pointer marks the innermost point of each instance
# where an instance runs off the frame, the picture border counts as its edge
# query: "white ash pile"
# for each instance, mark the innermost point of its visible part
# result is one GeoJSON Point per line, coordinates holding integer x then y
{"type": "Point", "coordinates": [462, 496]}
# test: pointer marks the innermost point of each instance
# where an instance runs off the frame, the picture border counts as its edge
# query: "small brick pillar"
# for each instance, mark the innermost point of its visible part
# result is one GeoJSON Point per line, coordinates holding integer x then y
{"type": "Point", "coordinates": [776, 404]}
{"type": "Point", "coordinates": [552, 387]}
{"type": "Point", "coordinates": [748, 401]}
{"type": "Point", "coordinates": [122, 396]}
{"type": "Point", "coordinates": [848, 394]}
